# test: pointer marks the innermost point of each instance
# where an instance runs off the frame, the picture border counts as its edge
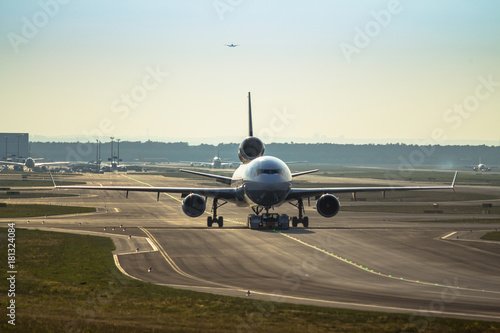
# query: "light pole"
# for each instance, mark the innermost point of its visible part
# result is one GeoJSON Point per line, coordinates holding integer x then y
{"type": "Point", "coordinates": [118, 160]}
{"type": "Point", "coordinates": [112, 137]}
{"type": "Point", "coordinates": [97, 154]}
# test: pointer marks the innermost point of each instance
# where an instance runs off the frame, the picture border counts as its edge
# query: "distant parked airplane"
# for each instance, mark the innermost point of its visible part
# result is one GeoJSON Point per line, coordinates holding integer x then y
{"type": "Point", "coordinates": [30, 163]}
{"type": "Point", "coordinates": [216, 163]}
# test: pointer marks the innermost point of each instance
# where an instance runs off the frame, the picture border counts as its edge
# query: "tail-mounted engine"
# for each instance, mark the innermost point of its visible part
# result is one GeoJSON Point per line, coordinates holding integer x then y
{"type": "Point", "coordinates": [194, 205]}
{"type": "Point", "coordinates": [250, 149]}
{"type": "Point", "coordinates": [328, 205]}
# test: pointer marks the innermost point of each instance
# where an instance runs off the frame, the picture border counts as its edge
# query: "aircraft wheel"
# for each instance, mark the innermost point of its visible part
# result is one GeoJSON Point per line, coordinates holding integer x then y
{"type": "Point", "coordinates": [221, 221]}
{"type": "Point", "coordinates": [305, 221]}
{"type": "Point", "coordinates": [209, 221]}
{"type": "Point", "coordinates": [294, 221]}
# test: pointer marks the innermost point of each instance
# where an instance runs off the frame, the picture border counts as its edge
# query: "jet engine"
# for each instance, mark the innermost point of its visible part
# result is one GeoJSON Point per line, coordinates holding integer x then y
{"type": "Point", "coordinates": [250, 149]}
{"type": "Point", "coordinates": [194, 205]}
{"type": "Point", "coordinates": [328, 205]}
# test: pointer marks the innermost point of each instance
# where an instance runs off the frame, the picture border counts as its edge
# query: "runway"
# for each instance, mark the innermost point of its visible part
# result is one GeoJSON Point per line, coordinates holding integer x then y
{"type": "Point", "coordinates": [368, 261]}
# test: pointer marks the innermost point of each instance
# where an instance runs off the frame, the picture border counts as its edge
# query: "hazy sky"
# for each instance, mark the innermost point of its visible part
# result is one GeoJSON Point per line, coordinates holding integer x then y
{"type": "Point", "coordinates": [400, 70]}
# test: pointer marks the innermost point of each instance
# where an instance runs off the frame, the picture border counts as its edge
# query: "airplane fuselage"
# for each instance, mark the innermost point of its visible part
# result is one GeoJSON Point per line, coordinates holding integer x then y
{"type": "Point", "coordinates": [264, 181]}
{"type": "Point", "coordinates": [29, 163]}
{"type": "Point", "coordinates": [217, 162]}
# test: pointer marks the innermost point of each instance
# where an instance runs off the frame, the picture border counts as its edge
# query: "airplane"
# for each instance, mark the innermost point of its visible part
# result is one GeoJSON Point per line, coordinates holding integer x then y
{"type": "Point", "coordinates": [114, 165]}
{"type": "Point", "coordinates": [261, 182]}
{"type": "Point", "coordinates": [216, 163]}
{"type": "Point", "coordinates": [232, 45]}
{"type": "Point", "coordinates": [30, 163]}
{"type": "Point", "coordinates": [481, 167]}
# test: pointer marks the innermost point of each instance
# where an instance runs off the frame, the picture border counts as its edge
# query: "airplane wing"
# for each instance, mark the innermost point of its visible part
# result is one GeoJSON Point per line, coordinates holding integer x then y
{"type": "Point", "coordinates": [11, 163]}
{"type": "Point", "coordinates": [304, 172]}
{"type": "Point", "coordinates": [50, 163]}
{"type": "Point", "coordinates": [296, 162]}
{"type": "Point", "coordinates": [296, 193]}
{"type": "Point", "coordinates": [213, 192]}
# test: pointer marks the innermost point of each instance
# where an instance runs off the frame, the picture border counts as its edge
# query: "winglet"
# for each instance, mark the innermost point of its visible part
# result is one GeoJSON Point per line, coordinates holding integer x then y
{"type": "Point", "coordinates": [53, 182]}
{"type": "Point", "coordinates": [250, 129]}
{"type": "Point", "coordinates": [454, 180]}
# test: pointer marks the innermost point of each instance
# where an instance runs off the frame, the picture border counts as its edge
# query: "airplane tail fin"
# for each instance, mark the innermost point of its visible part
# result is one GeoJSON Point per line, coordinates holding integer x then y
{"type": "Point", "coordinates": [250, 129]}
{"type": "Point", "coordinates": [251, 147]}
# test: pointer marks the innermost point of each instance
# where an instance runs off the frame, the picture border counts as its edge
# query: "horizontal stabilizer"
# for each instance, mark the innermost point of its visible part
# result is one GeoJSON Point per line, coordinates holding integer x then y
{"type": "Point", "coordinates": [220, 179]}
{"type": "Point", "coordinates": [304, 172]}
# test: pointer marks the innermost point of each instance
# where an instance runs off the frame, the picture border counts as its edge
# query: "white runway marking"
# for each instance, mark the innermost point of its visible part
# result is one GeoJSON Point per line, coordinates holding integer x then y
{"type": "Point", "coordinates": [450, 234]}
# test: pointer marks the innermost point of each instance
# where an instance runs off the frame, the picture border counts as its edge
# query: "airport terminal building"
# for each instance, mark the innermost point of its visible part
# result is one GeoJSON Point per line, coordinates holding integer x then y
{"type": "Point", "coordinates": [14, 145]}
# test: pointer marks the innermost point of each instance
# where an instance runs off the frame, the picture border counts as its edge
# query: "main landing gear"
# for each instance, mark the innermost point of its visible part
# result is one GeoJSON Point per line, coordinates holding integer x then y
{"type": "Point", "coordinates": [301, 218]}
{"type": "Point", "coordinates": [213, 219]}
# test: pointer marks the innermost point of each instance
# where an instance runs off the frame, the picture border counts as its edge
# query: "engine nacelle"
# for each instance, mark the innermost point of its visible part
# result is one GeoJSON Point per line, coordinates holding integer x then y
{"type": "Point", "coordinates": [328, 205]}
{"type": "Point", "coordinates": [250, 149]}
{"type": "Point", "coordinates": [194, 205]}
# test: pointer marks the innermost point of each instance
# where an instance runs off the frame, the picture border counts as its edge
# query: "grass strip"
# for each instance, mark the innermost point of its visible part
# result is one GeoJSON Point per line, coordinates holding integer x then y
{"type": "Point", "coordinates": [33, 210]}
{"type": "Point", "coordinates": [494, 235]}
{"type": "Point", "coordinates": [34, 183]}
{"type": "Point", "coordinates": [419, 209]}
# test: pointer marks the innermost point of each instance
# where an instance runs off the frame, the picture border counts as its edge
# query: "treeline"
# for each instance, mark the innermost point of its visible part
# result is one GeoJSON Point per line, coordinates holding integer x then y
{"type": "Point", "coordinates": [337, 154]}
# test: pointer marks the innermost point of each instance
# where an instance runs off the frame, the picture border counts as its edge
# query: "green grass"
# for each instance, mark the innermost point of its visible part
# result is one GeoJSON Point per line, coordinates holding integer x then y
{"type": "Point", "coordinates": [33, 183]}
{"type": "Point", "coordinates": [70, 283]}
{"type": "Point", "coordinates": [29, 195]}
{"type": "Point", "coordinates": [495, 235]}
{"type": "Point", "coordinates": [32, 210]}
{"type": "Point", "coordinates": [34, 179]}
{"type": "Point", "coordinates": [419, 209]}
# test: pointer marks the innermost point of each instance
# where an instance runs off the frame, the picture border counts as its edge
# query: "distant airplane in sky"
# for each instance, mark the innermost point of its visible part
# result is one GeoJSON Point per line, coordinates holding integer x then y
{"type": "Point", "coordinates": [232, 45]}
{"type": "Point", "coordinates": [261, 182]}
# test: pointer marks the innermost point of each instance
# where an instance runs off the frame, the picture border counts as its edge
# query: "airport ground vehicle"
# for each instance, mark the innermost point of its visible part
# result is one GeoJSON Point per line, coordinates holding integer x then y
{"type": "Point", "coordinates": [268, 221]}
